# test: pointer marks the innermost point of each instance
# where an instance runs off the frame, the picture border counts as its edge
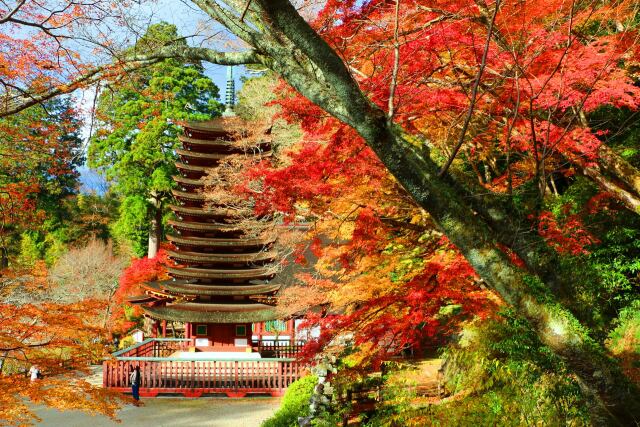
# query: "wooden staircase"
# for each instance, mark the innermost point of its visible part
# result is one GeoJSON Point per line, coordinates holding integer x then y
{"type": "Point", "coordinates": [426, 383]}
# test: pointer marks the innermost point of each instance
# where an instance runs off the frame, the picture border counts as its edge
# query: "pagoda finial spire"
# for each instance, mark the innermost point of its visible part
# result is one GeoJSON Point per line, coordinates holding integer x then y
{"type": "Point", "coordinates": [230, 94]}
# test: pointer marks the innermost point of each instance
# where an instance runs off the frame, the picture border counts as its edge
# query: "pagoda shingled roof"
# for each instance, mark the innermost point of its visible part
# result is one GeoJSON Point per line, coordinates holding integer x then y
{"type": "Point", "coordinates": [188, 181]}
{"type": "Point", "coordinates": [216, 125]}
{"type": "Point", "coordinates": [207, 212]}
{"type": "Point", "coordinates": [185, 287]}
{"type": "Point", "coordinates": [198, 155]}
{"type": "Point", "coordinates": [213, 313]}
{"type": "Point", "coordinates": [220, 243]}
{"type": "Point", "coordinates": [201, 226]}
{"type": "Point", "coordinates": [193, 168]}
{"type": "Point", "coordinates": [222, 274]}
{"type": "Point", "coordinates": [217, 142]}
{"type": "Point", "coordinates": [188, 195]}
{"type": "Point", "coordinates": [206, 258]}
{"type": "Point", "coordinates": [220, 143]}
{"type": "Point", "coordinates": [141, 299]}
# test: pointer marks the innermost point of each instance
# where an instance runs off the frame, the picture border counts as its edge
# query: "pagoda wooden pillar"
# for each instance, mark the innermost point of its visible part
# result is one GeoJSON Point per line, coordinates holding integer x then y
{"type": "Point", "coordinates": [164, 329]}
{"type": "Point", "coordinates": [258, 331]}
{"type": "Point", "coordinates": [292, 331]}
{"type": "Point", "coordinates": [154, 329]}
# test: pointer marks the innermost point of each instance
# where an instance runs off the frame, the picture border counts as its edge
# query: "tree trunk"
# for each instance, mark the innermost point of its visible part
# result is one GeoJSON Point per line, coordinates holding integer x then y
{"type": "Point", "coordinates": [614, 175]}
{"type": "Point", "coordinates": [514, 231]}
{"type": "Point", "coordinates": [4, 258]}
{"type": "Point", "coordinates": [155, 231]}
{"type": "Point", "coordinates": [619, 168]}
{"type": "Point", "coordinates": [630, 200]}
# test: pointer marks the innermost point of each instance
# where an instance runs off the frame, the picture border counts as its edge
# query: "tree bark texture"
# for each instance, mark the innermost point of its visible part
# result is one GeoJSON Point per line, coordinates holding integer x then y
{"type": "Point", "coordinates": [155, 231]}
{"type": "Point", "coordinates": [4, 258]}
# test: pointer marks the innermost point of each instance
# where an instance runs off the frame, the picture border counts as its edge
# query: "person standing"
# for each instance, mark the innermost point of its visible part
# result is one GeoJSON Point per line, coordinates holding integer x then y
{"type": "Point", "coordinates": [34, 373]}
{"type": "Point", "coordinates": [135, 384]}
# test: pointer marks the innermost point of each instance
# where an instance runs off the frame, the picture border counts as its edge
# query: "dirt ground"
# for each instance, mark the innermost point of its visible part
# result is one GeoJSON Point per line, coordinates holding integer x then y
{"type": "Point", "coordinates": [173, 412]}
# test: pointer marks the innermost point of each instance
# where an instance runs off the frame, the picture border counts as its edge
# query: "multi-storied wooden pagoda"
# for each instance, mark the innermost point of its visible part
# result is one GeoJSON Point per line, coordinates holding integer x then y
{"type": "Point", "coordinates": [221, 278]}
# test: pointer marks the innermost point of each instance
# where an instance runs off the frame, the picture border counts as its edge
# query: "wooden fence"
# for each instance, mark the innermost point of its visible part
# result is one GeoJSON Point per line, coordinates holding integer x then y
{"type": "Point", "coordinates": [192, 378]}
{"type": "Point", "coordinates": [154, 347]}
{"type": "Point", "coordinates": [278, 348]}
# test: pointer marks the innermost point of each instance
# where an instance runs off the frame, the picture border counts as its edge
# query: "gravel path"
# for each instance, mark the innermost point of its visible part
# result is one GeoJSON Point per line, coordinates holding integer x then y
{"type": "Point", "coordinates": [173, 412]}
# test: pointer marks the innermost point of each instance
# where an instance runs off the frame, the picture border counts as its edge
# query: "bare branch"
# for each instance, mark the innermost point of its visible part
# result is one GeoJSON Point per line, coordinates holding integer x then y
{"type": "Point", "coordinates": [474, 93]}
{"type": "Point", "coordinates": [396, 62]}
{"type": "Point", "coordinates": [10, 14]}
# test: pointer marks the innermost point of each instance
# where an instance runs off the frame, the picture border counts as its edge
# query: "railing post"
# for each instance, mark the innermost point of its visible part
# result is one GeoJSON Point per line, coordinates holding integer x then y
{"type": "Point", "coordinates": [279, 377]}
{"type": "Point", "coordinates": [235, 369]}
{"type": "Point", "coordinates": [104, 374]}
{"type": "Point", "coordinates": [193, 374]}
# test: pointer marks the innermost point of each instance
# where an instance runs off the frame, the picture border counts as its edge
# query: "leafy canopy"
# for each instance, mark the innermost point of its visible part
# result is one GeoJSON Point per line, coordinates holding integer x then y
{"type": "Point", "coordinates": [140, 117]}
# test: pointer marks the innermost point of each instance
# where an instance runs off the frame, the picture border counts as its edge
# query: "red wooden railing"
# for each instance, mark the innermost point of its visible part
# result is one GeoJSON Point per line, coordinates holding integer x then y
{"type": "Point", "coordinates": [278, 348]}
{"type": "Point", "coordinates": [192, 378]}
{"type": "Point", "coordinates": [154, 347]}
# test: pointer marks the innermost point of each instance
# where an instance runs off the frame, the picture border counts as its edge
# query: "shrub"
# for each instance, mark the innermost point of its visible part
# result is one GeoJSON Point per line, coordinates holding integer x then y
{"type": "Point", "coordinates": [295, 403]}
{"type": "Point", "coordinates": [624, 340]}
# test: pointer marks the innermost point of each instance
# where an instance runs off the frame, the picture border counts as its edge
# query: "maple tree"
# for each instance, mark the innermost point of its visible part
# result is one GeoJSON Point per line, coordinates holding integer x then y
{"type": "Point", "coordinates": [61, 339]}
{"type": "Point", "coordinates": [141, 270]}
{"type": "Point", "coordinates": [476, 114]}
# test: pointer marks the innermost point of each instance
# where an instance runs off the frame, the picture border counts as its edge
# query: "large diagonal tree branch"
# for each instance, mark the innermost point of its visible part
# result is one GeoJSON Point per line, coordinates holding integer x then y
{"type": "Point", "coordinates": [232, 21]}
{"type": "Point", "coordinates": [12, 103]}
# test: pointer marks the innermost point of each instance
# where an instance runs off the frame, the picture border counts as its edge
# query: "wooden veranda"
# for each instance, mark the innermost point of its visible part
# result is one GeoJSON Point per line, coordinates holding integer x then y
{"type": "Point", "coordinates": [197, 376]}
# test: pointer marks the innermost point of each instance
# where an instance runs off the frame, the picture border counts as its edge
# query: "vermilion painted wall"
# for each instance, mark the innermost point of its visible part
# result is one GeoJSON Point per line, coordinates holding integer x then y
{"type": "Point", "coordinates": [220, 334]}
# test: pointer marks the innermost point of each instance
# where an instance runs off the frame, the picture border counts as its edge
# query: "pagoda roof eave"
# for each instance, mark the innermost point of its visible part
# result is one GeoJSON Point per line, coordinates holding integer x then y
{"type": "Point", "coordinates": [141, 299]}
{"type": "Point", "coordinates": [203, 211]}
{"type": "Point", "coordinates": [177, 288]}
{"type": "Point", "coordinates": [188, 154]}
{"type": "Point", "coordinates": [188, 181]}
{"type": "Point", "coordinates": [213, 313]}
{"type": "Point", "coordinates": [221, 143]}
{"type": "Point", "coordinates": [186, 195]}
{"type": "Point", "coordinates": [202, 226]}
{"type": "Point", "coordinates": [221, 243]}
{"type": "Point", "coordinates": [218, 125]}
{"type": "Point", "coordinates": [213, 273]}
{"type": "Point", "coordinates": [198, 155]}
{"type": "Point", "coordinates": [213, 258]}
{"type": "Point", "coordinates": [193, 168]}
{"type": "Point", "coordinates": [216, 142]}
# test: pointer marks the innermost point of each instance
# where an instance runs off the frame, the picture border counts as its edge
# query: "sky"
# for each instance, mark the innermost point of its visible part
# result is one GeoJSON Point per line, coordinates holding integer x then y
{"type": "Point", "coordinates": [188, 20]}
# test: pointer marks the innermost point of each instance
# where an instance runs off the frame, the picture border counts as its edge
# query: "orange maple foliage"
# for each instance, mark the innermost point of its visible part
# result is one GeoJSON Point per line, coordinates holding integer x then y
{"type": "Point", "coordinates": [62, 340]}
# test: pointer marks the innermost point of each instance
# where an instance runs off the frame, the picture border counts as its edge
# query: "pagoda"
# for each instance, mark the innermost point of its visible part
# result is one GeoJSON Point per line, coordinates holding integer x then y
{"type": "Point", "coordinates": [220, 281]}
